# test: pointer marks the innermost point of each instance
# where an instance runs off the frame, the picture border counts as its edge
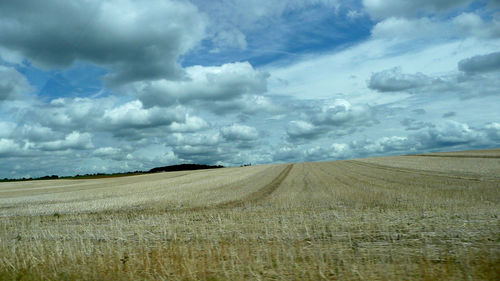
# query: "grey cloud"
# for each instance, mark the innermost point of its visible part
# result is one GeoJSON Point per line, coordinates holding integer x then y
{"type": "Point", "coordinates": [13, 85]}
{"type": "Point", "coordinates": [419, 111]}
{"type": "Point", "coordinates": [118, 34]}
{"type": "Point", "coordinates": [481, 63]}
{"type": "Point", "coordinates": [449, 114]}
{"type": "Point", "coordinates": [492, 130]}
{"type": "Point", "coordinates": [336, 118]}
{"type": "Point", "coordinates": [227, 144]}
{"type": "Point", "coordinates": [394, 80]}
{"type": "Point", "coordinates": [412, 124]}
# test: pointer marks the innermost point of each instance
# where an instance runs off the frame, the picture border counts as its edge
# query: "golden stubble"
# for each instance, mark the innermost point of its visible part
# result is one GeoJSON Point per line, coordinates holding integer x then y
{"type": "Point", "coordinates": [394, 218]}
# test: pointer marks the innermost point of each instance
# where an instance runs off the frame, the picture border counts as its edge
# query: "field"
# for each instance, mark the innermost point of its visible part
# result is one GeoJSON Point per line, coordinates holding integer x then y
{"type": "Point", "coordinates": [425, 217]}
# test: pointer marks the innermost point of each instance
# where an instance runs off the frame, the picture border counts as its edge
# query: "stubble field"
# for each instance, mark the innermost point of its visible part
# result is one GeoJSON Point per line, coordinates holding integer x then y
{"type": "Point", "coordinates": [427, 217]}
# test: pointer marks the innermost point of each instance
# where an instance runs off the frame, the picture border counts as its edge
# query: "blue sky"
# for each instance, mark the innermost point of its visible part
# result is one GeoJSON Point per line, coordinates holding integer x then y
{"type": "Point", "coordinates": [118, 85]}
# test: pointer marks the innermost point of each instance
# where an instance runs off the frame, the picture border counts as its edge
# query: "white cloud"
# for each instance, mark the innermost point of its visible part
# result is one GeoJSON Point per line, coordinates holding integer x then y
{"type": "Point", "coordinates": [112, 153]}
{"type": "Point", "coordinates": [230, 38]}
{"type": "Point", "coordinates": [302, 129]}
{"type": "Point", "coordinates": [344, 73]}
{"type": "Point", "coordinates": [191, 124]}
{"type": "Point", "coordinates": [74, 140]}
{"type": "Point", "coordinates": [205, 84]}
{"type": "Point", "coordinates": [388, 8]}
{"type": "Point", "coordinates": [133, 115]}
{"type": "Point", "coordinates": [6, 128]}
{"type": "Point", "coordinates": [462, 26]}
{"type": "Point", "coordinates": [402, 28]}
{"type": "Point", "coordinates": [35, 133]}
{"type": "Point", "coordinates": [473, 25]}
{"type": "Point", "coordinates": [238, 132]}
{"type": "Point", "coordinates": [9, 148]}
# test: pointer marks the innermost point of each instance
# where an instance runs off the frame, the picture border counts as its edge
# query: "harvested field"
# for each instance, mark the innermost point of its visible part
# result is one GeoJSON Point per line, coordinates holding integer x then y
{"type": "Point", "coordinates": [388, 218]}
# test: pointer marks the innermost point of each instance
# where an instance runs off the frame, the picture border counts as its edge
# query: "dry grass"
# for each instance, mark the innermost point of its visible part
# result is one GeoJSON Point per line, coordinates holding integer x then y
{"type": "Point", "coordinates": [376, 219]}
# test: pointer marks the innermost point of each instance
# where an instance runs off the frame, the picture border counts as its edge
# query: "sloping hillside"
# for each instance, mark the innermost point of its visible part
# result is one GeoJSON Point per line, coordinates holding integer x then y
{"type": "Point", "coordinates": [433, 217]}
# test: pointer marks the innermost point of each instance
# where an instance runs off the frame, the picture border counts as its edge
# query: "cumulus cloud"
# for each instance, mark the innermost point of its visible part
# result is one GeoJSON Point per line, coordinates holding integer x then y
{"type": "Point", "coordinates": [442, 136]}
{"type": "Point", "coordinates": [230, 81]}
{"type": "Point", "coordinates": [133, 40]}
{"type": "Point", "coordinates": [493, 131]}
{"type": "Point", "coordinates": [9, 147]}
{"type": "Point", "coordinates": [390, 8]}
{"type": "Point", "coordinates": [123, 120]}
{"type": "Point", "coordinates": [13, 85]}
{"type": "Point", "coordinates": [394, 80]}
{"type": "Point", "coordinates": [335, 117]}
{"type": "Point", "coordinates": [190, 124]}
{"type": "Point", "coordinates": [133, 115]}
{"type": "Point", "coordinates": [386, 144]}
{"type": "Point", "coordinates": [340, 112]}
{"type": "Point", "coordinates": [35, 133]}
{"type": "Point", "coordinates": [336, 151]}
{"type": "Point", "coordinates": [74, 140]}
{"type": "Point", "coordinates": [402, 28]}
{"type": "Point", "coordinates": [446, 134]}
{"type": "Point", "coordinates": [481, 63]}
{"type": "Point", "coordinates": [472, 24]}
{"type": "Point", "coordinates": [302, 130]}
{"type": "Point", "coordinates": [113, 153]}
{"type": "Point", "coordinates": [238, 132]}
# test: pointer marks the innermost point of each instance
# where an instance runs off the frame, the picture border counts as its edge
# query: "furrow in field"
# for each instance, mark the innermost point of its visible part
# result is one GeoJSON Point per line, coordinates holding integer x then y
{"type": "Point", "coordinates": [456, 156]}
{"type": "Point", "coordinates": [451, 175]}
{"type": "Point", "coordinates": [143, 192]}
{"type": "Point", "coordinates": [253, 197]}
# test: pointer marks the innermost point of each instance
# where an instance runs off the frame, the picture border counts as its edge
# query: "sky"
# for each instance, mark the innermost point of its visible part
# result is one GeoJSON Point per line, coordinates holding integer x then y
{"type": "Point", "coordinates": [90, 86]}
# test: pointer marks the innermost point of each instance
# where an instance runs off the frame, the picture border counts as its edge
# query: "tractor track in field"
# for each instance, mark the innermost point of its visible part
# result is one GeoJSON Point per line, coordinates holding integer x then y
{"type": "Point", "coordinates": [456, 156]}
{"type": "Point", "coordinates": [456, 176]}
{"type": "Point", "coordinates": [253, 197]}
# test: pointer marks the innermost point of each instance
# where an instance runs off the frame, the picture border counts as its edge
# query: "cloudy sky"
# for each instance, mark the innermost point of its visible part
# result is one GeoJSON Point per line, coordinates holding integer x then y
{"type": "Point", "coordinates": [92, 86]}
